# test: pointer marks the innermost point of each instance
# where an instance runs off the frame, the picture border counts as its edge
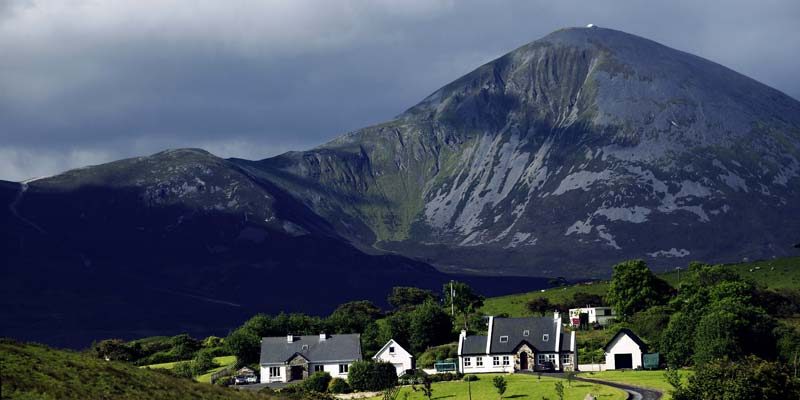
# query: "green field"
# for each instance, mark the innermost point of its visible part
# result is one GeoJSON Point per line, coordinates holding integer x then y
{"type": "Point", "coordinates": [222, 362]}
{"type": "Point", "coordinates": [519, 386]}
{"type": "Point", "coordinates": [644, 379]}
{"type": "Point", "coordinates": [32, 371]}
{"type": "Point", "coordinates": [780, 273]}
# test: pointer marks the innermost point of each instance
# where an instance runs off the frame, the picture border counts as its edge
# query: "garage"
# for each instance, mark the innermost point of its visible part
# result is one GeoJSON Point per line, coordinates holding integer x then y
{"type": "Point", "coordinates": [623, 361]}
{"type": "Point", "coordinates": [624, 351]}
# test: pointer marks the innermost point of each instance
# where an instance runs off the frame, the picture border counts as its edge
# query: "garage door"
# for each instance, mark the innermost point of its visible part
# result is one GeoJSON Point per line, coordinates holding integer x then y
{"type": "Point", "coordinates": [623, 361]}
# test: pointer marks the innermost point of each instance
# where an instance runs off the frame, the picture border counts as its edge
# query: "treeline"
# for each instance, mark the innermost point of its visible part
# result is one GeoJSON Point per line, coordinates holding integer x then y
{"type": "Point", "coordinates": [719, 323]}
{"type": "Point", "coordinates": [418, 319]}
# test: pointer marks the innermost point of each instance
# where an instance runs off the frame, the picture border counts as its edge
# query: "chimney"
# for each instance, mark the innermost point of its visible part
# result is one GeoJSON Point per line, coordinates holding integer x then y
{"type": "Point", "coordinates": [557, 316]}
{"type": "Point", "coordinates": [323, 337]}
{"type": "Point", "coordinates": [290, 338]}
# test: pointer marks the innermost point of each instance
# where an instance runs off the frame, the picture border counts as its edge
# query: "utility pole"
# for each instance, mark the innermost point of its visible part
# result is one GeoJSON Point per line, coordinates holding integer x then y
{"type": "Point", "coordinates": [452, 300]}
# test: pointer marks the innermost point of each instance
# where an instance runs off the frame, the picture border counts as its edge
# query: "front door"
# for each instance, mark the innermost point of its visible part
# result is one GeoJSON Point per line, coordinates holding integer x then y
{"type": "Point", "coordinates": [523, 361]}
{"type": "Point", "coordinates": [296, 373]}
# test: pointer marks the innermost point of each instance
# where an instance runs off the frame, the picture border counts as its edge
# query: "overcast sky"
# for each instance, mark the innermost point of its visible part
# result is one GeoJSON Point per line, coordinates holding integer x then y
{"type": "Point", "coordinates": [85, 82]}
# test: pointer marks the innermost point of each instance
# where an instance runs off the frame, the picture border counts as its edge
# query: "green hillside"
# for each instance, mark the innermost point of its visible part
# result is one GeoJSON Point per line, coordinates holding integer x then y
{"type": "Point", "coordinates": [782, 273]}
{"type": "Point", "coordinates": [33, 371]}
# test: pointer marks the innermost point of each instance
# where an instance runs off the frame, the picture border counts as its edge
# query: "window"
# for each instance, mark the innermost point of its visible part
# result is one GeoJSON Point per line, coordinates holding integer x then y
{"type": "Point", "coordinates": [344, 368]}
{"type": "Point", "coordinates": [319, 368]}
{"type": "Point", "coordinates": [391, 349]}
{"type": "Point", "coordinates": [551, 357]}
{"type": "Point", "coordinates": [566, 359]}
{"type": "Point", "coordinates": [467, 362]}
{"type": "Point", "coordinates": [540, 358]}
{"type": "Point", "coordinates": [506, 360]}
{"type": "Point", "coordinates": [274, 371]}
{"type": "Point", "coordinates": [526, 333]}
{"type": "Point", "coordinates": [479, 361]}
{"type": "Point", "coordinates": [503, 339]}
{"type": "Point", "coordinates": [495, 361]}
{"type": "Point", "coordinates": [545, 337]}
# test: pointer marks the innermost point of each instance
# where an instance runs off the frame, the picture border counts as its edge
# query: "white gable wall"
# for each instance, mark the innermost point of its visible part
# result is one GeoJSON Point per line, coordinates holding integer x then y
{"type": "Point", "coordinates": [400, 358]}
{"type": "Point", "coordinates": [623, 344]}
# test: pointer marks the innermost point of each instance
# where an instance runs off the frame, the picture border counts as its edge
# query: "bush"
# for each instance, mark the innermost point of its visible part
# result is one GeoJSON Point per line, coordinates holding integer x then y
{"type": "Point", "coordinates": [318, 382]}
{"type": "Point", "coordinates": [338, 385]}
{"type": "Point", "coordinates": [470, 378]}
{"type": "Point", "coordinates": [433, 354]}
{"type": "Point", "coordinates": [203, 362]}
{"type": "Point", "coordinates": [371, 376]}
{"type": "Point", "coordinates": [184, 369]}
{"type": "Point", "coordinates": [748, 379]}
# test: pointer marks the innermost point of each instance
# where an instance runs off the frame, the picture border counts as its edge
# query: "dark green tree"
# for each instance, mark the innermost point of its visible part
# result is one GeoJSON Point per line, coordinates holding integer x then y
{"type": "Point", "coordinates": [583, 299]}
{"type": "Point", "coordinates": [750, 378]}
{"type": "Point", "coordinates": [635, 288]}
{"type": "Point", "coordinates": [430, 326]}
{"type": "Point", "coordinates": [354, 317]}
{"type": "Point", "coordinates": [404, 297]}
{"type": "Point", "coordinates": [540, 306]}
{"type": "Point", "coordinates": [460, 297]}
{"type": "Point", "coordinates": [317, 382]}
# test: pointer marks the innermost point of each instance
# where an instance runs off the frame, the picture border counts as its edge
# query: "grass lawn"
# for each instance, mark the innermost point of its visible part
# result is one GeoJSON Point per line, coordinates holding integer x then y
{"type": "Point", "coordinates": [645, 379]}
{"type": "Point", "coordinates": [223, 362]}
{"type": "Point", "coordinates": [519, 387]}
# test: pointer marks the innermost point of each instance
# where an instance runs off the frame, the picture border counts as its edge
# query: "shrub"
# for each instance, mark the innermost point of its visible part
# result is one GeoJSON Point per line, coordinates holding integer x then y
{"type": "Point", "coordinates": [470, 378]}
{"type": "Point", "coordinates": [203, 362]}
{"type": "Point", "coordinates": [371, 376]}
{"type": "Point", "coordinates": [747, 379]}
{"type": "Point", "coordinates": [338, 385]}
{"type": "Point", "coordinates": [318, 382]}
{"type": "Point", "coordinates": [184, 369]}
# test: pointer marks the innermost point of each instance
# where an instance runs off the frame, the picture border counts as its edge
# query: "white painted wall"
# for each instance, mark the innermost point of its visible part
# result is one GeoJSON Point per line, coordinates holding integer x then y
{"type": "Point", "coordinates": [488, 366]}
{"type": "Point", "coordinates": [265, 378]}
{"type": "Point", "coordinates": [400, 358]}
{"type": "Point", "coordinates": [595, 315]}
{"type": "Point", "coordinates": [624, 345]}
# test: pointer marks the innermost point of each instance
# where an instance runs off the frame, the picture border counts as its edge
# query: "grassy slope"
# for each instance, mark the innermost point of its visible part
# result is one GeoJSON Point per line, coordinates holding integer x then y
{"type": "Point", "coordinates": [32, 371]}
{"type": "Point", "coordinates": [519, 386]}
{"type": "Point", "coordinates": [774, 274]}
{"type": "Point", "coordinates": [223, 362]}
{"type": "Point", "coordinates": [644, 379]}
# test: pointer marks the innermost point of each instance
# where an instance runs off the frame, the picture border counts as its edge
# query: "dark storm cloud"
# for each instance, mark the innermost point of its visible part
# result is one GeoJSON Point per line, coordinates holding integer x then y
{"type": "Point", "coordinates": [87, 82]}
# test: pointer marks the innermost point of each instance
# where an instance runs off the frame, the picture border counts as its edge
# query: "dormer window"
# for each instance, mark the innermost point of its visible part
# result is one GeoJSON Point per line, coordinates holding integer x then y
{"type": "Point", "coordinates": [526, 333]}
{"type": "Point", "coordinates": [391, 349]}
{"type": "Point", "coordinates": [545, 337]}
{"type": "Point", "coordinates": [503, 339]}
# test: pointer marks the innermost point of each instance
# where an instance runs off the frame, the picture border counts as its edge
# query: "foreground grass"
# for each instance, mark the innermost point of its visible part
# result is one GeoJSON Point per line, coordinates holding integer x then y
{"type": "Point", "coordinates": [519, 386]}
{"type": "Point", "coordinates": [643, 379]}
{"type": "Point", "coordinates": [32, 371]}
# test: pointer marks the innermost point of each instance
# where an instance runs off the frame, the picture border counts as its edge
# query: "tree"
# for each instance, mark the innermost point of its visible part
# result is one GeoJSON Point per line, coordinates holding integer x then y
{"type": "Point", "coordinates": [338, 385]}
{"type": "Point", "coordinates": [203, 361]}
{"type": "Point", "coordinates": [583, 299]}
{"type": "Point", "coordinates": [560, 390]}
{"type": "Point", "coordinates": [540, 305]}
{"type": "Point", "coordinates": [462, 299]}
{"type": "Point", "coordinates": [732, 328]}
{"type": "Point", "coordinates": [354, 317]}
{"type": "Point", "coordinates": [500, 385]}
{"type": "Point", "coordinates": [430, 326]}
{"type": "Point", "coordinates": [427, 388]}
{"type": "Point", "coordinates": [748, 379]}
{"type": "Point", "coordinates": [403, 297]}
{"type": "Point", "coordinates": [634, 288]}
{"type": "Point", "coordinates": [184, 346]}
{"type": "Point", "coordinates": [113, 349]}
{"type": "Point", "coordinates": [570, 376]}
{"type": "Point", "coordinates": [184, 369]}
{"type": "Point", "coordinates": [372, 376]}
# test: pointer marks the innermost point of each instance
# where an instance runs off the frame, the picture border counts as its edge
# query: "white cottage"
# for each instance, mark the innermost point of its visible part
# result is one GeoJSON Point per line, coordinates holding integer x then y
{"type": "Point", "coordinates": [393, 353]}
{"type": "Point", "coordinates": [518, 344]}
{"type": "Point", "coordinates": [625, 350]}
{"type": "Point", "coordinates": [602, 316]}
{"type": "Point", "coordinates": [290, 358]}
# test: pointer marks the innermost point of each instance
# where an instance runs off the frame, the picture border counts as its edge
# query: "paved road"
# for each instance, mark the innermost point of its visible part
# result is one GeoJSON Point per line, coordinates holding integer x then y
{"type": "Point", "coordinates": [634, 393]}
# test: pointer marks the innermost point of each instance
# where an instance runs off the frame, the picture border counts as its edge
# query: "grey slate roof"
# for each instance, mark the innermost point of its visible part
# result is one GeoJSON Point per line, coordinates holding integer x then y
{"type": "Point", "coordinates": [564, 343]}
{"type": "Point", "coordinates": [514, 329]}
{"type": "Point", "coordinates": [474, 345]}
{"type": "Point", "coordinates": [276, 350]}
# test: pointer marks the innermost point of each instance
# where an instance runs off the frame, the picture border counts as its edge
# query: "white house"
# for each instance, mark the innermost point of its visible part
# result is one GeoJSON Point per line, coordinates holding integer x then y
{"type": "Point", "coordinates": [393, 353]}
{"type": "Point", "coordinates": [599, 315]}
{"type": "Point", "coordinates": [289, 358]}
{"type": "Point", "coordinates": [624, 351]}
{"type": "Point", "coordinates": [518, 344]}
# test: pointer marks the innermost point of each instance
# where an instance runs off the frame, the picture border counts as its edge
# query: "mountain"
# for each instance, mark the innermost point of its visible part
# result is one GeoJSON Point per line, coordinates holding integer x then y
{"type": "Point", "coordinates": [568, 154]}
{"type": "Point", "coordinates": [180, 241]}
{"type": "Point", "coordinates": [560, 158]}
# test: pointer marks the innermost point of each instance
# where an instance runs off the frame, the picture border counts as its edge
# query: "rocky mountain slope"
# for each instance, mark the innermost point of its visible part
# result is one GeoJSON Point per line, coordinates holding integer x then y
{"type": "Point", "coordinates": [582, 148]}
